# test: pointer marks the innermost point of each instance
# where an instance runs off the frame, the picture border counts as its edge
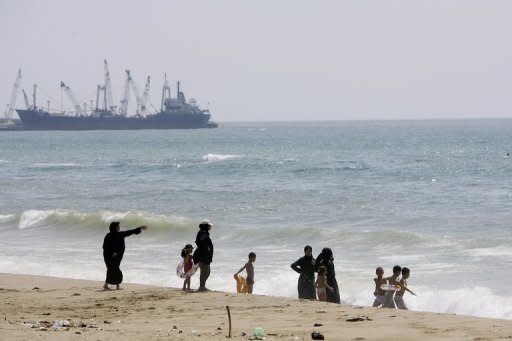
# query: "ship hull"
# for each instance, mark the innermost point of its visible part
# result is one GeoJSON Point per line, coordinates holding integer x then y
{"type": "Point", "coordinates": [41, 120]}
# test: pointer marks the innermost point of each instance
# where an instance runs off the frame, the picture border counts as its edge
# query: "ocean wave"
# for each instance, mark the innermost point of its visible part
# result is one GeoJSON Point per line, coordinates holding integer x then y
{"type": "Point", "coordinates": [99, 219]}
{"type": "Point", "coordinates": [220, 157]}
{"type": "Point", "coordinates": [43, 165]}
{"type": "Point", "coordinates": [6, 217]}
{"type": "Point", "coordinates": [320, 170]}
{"type": "Point", "coordinates": [498, 251]}
{"type": "Point", "coordinates": [472, 301]}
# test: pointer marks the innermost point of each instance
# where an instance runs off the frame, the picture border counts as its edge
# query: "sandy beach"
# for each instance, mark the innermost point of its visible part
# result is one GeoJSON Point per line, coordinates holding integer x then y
{"type": "Point", "coordinates": [32, 304]}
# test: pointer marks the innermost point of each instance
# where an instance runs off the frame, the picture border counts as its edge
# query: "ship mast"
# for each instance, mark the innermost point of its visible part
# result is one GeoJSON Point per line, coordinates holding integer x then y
{"type": "Point", "coordinates": [126, 94]}
{"type": "Point", "coordinates": [109, 102]}
{"type": "Point", "coordinates": [34, 97]}
{"type": "Point", "coordinates": [166, 92]}
{"type": "Point", "coordinates": [145, 96]}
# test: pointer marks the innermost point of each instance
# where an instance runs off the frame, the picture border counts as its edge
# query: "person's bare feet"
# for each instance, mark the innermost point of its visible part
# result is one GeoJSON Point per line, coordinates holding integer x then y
{"type": "Point", "coordinates": [105, 286]}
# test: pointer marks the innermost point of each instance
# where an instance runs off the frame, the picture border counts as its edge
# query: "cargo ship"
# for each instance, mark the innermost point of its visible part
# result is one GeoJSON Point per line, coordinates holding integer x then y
{"type": "Point", "coordinates": [175, 112]}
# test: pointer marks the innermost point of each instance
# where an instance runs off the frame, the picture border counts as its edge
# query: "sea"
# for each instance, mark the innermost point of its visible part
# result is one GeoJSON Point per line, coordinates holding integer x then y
{"type": "Point", "coordinates": [433, 195]}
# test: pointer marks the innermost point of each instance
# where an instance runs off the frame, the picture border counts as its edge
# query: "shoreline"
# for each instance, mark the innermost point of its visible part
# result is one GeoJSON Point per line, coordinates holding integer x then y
{"type": "Point", "coordinates": [32, 304]}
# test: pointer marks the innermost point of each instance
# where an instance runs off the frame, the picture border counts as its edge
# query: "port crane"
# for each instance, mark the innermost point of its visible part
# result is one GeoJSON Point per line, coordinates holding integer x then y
{"type": "Point", "coordinates": [142, 101]}
{"type": "Point", "coordinates": [14, 94]}
{"type": "Point", "coordinates": [126, 94]}
{"type": "Point", "coordinates": [145, 97]}
{"type": "Point", "coordinates": [72, 97]}
{"type": "Point", "coordinates": [25, 97]}
{"type": "Point", "coordinates": [166, 92]}
{"type": "Point", "coordinates": [109, 102]}
{"type": "Point", "coordinates": [101, 89]}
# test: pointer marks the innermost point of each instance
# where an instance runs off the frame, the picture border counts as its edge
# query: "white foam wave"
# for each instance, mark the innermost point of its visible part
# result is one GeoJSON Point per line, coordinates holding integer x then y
{"type": "Point", "coordinates": [472, 301]}
{"type": "Point", "coordinates": [220, 157]}
{"type": "Point", "coordinates": [33, 217]}
{"type": "Point", "coordinates": [498, 251]}
{"type": "Point", "coordinates": [43, 165]}
{"type": "Point", "coordinates": [99, 219]}
{"type": "Point", "coordinates": [6, 217]}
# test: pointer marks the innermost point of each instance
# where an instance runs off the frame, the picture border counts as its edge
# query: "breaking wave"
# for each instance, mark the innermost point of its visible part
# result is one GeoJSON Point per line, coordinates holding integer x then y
{"type": "Point", "coordinates": [220, 157]}
{"type": "Point", "coordinates": [99, 219]}
{"type": "Point", "coordinates": [43, 165]}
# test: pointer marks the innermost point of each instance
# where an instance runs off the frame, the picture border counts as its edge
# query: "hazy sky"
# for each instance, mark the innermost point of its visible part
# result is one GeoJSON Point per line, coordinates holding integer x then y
{"type": "Point", "coordinates": [272, 60]}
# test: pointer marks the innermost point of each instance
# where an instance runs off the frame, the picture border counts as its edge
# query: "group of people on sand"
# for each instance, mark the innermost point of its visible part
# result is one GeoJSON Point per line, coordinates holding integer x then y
{"type": "Point", "coordinates": [114, 246]}
{"type": "Point", "coordinates": [388, 292]}
{"type": "Point", "coordinates": [325, 287]}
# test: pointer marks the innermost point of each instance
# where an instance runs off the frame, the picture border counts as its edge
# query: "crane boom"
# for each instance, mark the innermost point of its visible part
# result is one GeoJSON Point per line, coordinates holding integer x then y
{"type": "Point", "coordinates": [14, 94]}
{"type": "Point", "coordinates": [108, 88]}
{"type": "Point", "coordinates": [140, 101]}
{"type": "Point", "coordinates": [126, 94]}
{"type": "Point", "coordinates": [145, 97]}
{"type": "Point", "coordinates": [166, 92]}
{"type": "Point", "coordinates": [72, 97]}
{"type": "Point", "coordinates": [25, 97]}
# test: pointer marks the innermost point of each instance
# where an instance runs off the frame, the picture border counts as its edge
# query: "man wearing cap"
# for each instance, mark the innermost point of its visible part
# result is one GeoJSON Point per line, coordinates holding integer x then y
{"type": "Point", "coordinates": [204, 252]}
{"type": "Point", "coordinates": [113, 251]}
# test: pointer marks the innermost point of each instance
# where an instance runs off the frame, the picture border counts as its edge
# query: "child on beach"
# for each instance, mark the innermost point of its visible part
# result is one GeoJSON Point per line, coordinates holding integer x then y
{"type": "Point", "coordinates": [188, 265]}
{"type": "Point", "coordinates": [321, 284]}
{"type": "Point", "coordinates": [399, 296]}
{"type": "Point", "coordinates": [389, 301]}
{"type": "Point", "coordinates": [379, 293]}
{"type": "Point", "coordinates": [249, 268]}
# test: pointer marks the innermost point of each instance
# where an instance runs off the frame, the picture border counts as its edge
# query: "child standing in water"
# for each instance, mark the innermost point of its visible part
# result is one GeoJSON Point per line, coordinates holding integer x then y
{"type": "Point", "coordinates": [399, 296]}
{"type": "Point", "coordinates": [321, 284]}
{"type": "Point", "coordinates": [249, 268]}
{"type": "Point", "coordinates": [379, 293]}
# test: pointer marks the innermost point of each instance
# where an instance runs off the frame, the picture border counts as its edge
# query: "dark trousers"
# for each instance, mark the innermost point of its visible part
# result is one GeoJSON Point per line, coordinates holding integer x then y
{"type": "Point", "coordinates": [204, 274]}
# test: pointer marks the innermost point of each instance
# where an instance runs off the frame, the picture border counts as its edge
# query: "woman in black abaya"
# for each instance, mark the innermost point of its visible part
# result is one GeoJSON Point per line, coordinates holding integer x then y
{"type": "Point", "coordinates": [113, 251]}
{"type": "Point", "coordinates": [326, 259]}
{"type": "Point", "coordinates": [305, 266]}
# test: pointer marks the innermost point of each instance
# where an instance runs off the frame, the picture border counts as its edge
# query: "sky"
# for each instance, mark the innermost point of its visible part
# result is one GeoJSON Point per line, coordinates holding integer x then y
{"type": "Point", "coordinates": [271, 60]}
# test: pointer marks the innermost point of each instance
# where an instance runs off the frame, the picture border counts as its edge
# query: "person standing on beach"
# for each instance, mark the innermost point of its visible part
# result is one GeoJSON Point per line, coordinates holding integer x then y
{"type": "Point", "coordinates": [203, 255]}
{"type": "Point", "coordinates": [249, 268]}
{"type": "Point", "coordinates": [113, 251]}
{"type": "Point", "coordinates": [326, 258]}
{"type": "Point", "coordinates": [305, 266]}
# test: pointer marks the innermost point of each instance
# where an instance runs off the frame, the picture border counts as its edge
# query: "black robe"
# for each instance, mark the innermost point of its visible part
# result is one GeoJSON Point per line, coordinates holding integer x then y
{"type": "Point", "coordinates": [333, 297]}
{"type": "Point", "coordinates": [204, 251]}
{"type": "Point", "coordinates": [305, 266]}
{"type": "Point", "coordinates": [325, 259]}
{"type": "Point", "coordinates": [114, 243]}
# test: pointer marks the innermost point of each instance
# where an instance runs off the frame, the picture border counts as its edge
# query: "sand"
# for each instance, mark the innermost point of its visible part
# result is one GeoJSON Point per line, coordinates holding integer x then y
{"type": "Point", "coordinates": [32, 304]}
